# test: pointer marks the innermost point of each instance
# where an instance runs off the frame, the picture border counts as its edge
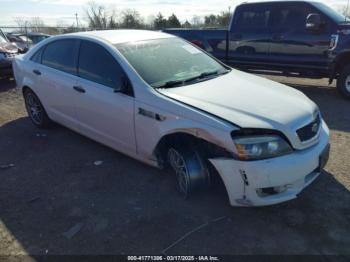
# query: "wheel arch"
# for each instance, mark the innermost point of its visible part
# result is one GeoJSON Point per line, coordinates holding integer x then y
{"type": "Point", "coordinates": [206, 144]}
{"type": "Point", "coordinates": [26, 87]}
{"type": "Point", "coordinates": [342, 60]}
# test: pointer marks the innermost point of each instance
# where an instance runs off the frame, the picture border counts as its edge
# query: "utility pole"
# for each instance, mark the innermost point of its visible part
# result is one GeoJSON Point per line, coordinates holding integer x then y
{"type": "Point", "coordinates": [76, 18]}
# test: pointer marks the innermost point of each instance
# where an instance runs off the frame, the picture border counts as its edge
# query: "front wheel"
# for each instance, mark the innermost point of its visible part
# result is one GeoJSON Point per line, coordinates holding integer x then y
{"type": "Point", "coordinates": [190, 169]}
{"type": "Point", "coordinates": [35, 109]}
{"type": "Point", "coordinates": [343, 82]}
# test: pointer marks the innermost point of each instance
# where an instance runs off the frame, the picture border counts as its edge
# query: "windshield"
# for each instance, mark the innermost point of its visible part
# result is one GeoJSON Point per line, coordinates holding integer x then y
{"type": "Point", "coordinates": [331, 13]}
{"type": "Point", "coordinates": [170, 62]}
{"type": "Point", "coordinates": [2, 40]}
{"type": "Point", "coordinates": [37, 39]}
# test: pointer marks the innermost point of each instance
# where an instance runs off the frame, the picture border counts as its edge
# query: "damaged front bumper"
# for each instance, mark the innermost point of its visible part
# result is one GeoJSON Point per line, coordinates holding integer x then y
{"type": "Point", "coordinates": [276, 180]}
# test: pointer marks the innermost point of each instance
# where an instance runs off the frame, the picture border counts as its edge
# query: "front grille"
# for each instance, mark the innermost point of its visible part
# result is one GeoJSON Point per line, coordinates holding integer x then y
{"type": "Point", "coordinates": [309, 131]}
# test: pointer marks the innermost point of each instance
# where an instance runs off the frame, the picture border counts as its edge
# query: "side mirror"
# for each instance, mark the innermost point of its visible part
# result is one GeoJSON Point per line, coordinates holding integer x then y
{"type": "Point", "coordinates": [313, 22]}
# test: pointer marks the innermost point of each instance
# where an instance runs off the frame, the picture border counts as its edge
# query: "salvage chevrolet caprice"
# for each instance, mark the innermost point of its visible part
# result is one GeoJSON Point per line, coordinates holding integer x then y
{"type": "Point", "coordinates": [163, 101]}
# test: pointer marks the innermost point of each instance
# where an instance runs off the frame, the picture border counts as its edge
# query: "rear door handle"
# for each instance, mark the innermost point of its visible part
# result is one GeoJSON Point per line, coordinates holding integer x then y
{"type": "Point", "coordinates": [79, 89]}
{"type": "Point", "coordinates": [37, 72]}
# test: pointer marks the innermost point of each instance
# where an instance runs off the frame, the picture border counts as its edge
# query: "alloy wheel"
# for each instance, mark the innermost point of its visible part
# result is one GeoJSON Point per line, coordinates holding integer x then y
{"type": "Point", "coordinates": [347, 83]}
{"type": "Point", "coordinates": [34, 108]}
{"type": "Point", "coordinates": [178, 163]}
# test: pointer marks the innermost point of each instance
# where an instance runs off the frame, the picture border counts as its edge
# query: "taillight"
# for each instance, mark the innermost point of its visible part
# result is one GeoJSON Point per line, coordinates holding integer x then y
{"type": "Point", "coordinates": [198, 43]}
{"type": "Point", "coordinates": [334, 42]}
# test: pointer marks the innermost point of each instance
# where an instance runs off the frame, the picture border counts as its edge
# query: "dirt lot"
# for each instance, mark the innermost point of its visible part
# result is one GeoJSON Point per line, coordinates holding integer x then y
{"type": "Point", "coordinates": [124, 207]}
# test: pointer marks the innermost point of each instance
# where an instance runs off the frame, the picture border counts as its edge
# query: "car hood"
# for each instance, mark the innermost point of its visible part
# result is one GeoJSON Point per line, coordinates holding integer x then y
{"type": "Point", "coordinates": [248, 101]}
{"type": "Point", "coordinates": [8, 48]}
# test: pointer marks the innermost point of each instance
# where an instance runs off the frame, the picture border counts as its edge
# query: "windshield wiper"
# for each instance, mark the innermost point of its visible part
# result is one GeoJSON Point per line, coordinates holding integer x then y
{"type": "Point", "coordinates": [171, 83]}
{"type": "Point", "coordinates": [203, 75]}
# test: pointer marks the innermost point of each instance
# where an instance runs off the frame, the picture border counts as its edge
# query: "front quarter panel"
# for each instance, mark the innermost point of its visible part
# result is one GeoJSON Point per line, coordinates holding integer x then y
{"type": "Point", "coordinates": [152, 122]}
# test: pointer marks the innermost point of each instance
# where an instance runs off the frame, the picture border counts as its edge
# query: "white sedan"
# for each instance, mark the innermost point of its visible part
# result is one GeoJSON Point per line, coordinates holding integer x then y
{"type": "Point", "coordinates": [163, 101]}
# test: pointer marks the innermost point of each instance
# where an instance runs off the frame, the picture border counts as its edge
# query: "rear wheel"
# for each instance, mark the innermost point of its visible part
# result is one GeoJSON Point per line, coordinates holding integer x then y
{"type": "Point", "coordinates": [190, 170]}
{"type": "Point", "coordinates": [343, 82]}
{"type": "Point", "coordinates": [35, 109]}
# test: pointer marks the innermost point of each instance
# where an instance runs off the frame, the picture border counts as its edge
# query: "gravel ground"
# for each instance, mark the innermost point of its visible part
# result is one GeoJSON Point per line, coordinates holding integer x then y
{"type": "Point", "coordinates": [55, 200]}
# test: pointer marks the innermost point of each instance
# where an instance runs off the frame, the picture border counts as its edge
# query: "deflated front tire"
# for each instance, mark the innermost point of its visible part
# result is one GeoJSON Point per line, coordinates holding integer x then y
{"type": "Point", "coordinates": [190, 170]}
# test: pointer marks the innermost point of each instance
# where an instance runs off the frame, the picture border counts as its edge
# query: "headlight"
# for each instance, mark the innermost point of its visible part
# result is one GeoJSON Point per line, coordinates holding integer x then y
{"type": "Point", "coordinates": [257, 147]}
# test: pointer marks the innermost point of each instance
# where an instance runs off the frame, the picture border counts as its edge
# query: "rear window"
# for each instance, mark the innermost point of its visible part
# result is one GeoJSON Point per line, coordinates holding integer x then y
{"type": "Point", "coordinates": [62, 55]}
{"type": "Point", "coordinates": [252, 17]}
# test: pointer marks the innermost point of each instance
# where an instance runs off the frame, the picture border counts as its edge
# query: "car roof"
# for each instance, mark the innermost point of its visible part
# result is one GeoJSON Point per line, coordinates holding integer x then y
{"type": "Point", "coordinates": [123, 36]}
{"type": "Point", "coordinates": [277, 2]}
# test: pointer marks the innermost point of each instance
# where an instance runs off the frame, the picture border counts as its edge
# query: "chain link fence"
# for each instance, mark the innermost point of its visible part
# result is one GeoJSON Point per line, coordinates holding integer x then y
{"type": "Point", "coordinates": [50, 30]}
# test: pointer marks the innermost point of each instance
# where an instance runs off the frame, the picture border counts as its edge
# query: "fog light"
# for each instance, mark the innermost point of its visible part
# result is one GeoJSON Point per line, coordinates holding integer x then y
{"type": "Point", "coordinates": [280, 189]}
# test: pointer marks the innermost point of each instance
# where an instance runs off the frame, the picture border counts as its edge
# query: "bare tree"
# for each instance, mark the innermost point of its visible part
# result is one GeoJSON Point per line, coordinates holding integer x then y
{"type": "Point", "coordinates": [21, 23]}
{"type": "Point", "coordinates": [131, 19]}
{"type": "Point", "coordinates": [224, 19]}
{"type": "Point", "coordinates": [112, 23]}
{"type": "Point", "coordinates": [33, 24]}
{"type": "Point", "coordinates": [220, 20]}
{"type": "Point", "coordinates": [344, 10]}
{"type": "Point", "coordinates": [97, 16]}
{"type": "Point", "coordinates": [196, 21]}
{"type": "Point", "coordinates": [36, 24]}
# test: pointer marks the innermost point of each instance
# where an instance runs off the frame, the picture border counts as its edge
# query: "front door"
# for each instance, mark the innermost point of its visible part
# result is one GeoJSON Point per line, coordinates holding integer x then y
{"type": "Point", "coordinates": [294, 45]}
{"type": "Point", "coordinates": [104, 115]}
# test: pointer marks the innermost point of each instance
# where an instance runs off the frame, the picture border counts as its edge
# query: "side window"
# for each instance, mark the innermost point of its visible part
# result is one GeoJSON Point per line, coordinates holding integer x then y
{"type": "Point", "coordinates": [291, 18]}
{"type": "Point", "coordinates": [253, 18]}
{"type": "Point", "coordinates": [62, 55]}
{"type": "Point", "coordinates": [36, 58]}
{"type": "Point", "coordinates": [98, 65]}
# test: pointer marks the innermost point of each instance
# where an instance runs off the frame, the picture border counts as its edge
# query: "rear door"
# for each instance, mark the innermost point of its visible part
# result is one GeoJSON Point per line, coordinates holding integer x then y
{"type": "Point", "coordinates": [56, 75]}
{"type": "Point", "coordinates": [249, 37]}
{"type": "Point", "coordinates": [294, 45]}
{"type": "Point", "coordinates": [104, 115]}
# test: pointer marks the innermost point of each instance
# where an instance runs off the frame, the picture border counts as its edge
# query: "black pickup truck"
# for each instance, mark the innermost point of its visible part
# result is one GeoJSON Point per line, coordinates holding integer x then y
{"type": "Point", "coordinates": [301, 38]}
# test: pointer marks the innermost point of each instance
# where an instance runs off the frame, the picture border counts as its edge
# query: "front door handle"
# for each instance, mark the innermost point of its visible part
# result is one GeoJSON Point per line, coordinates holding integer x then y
{"type": "Point", "coordinates": [79, 89]}
{"type": "Point", "coordinates": [37, 72]}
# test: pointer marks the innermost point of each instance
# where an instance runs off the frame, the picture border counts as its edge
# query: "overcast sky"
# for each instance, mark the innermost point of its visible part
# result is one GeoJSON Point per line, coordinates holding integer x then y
{"type": "Point", "coordinates": [62, 11]}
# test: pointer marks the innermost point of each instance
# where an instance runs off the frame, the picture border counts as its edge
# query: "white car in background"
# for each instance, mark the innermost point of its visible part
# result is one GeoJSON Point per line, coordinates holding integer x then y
{"type": "Point", "coordinates": [161, 100]}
